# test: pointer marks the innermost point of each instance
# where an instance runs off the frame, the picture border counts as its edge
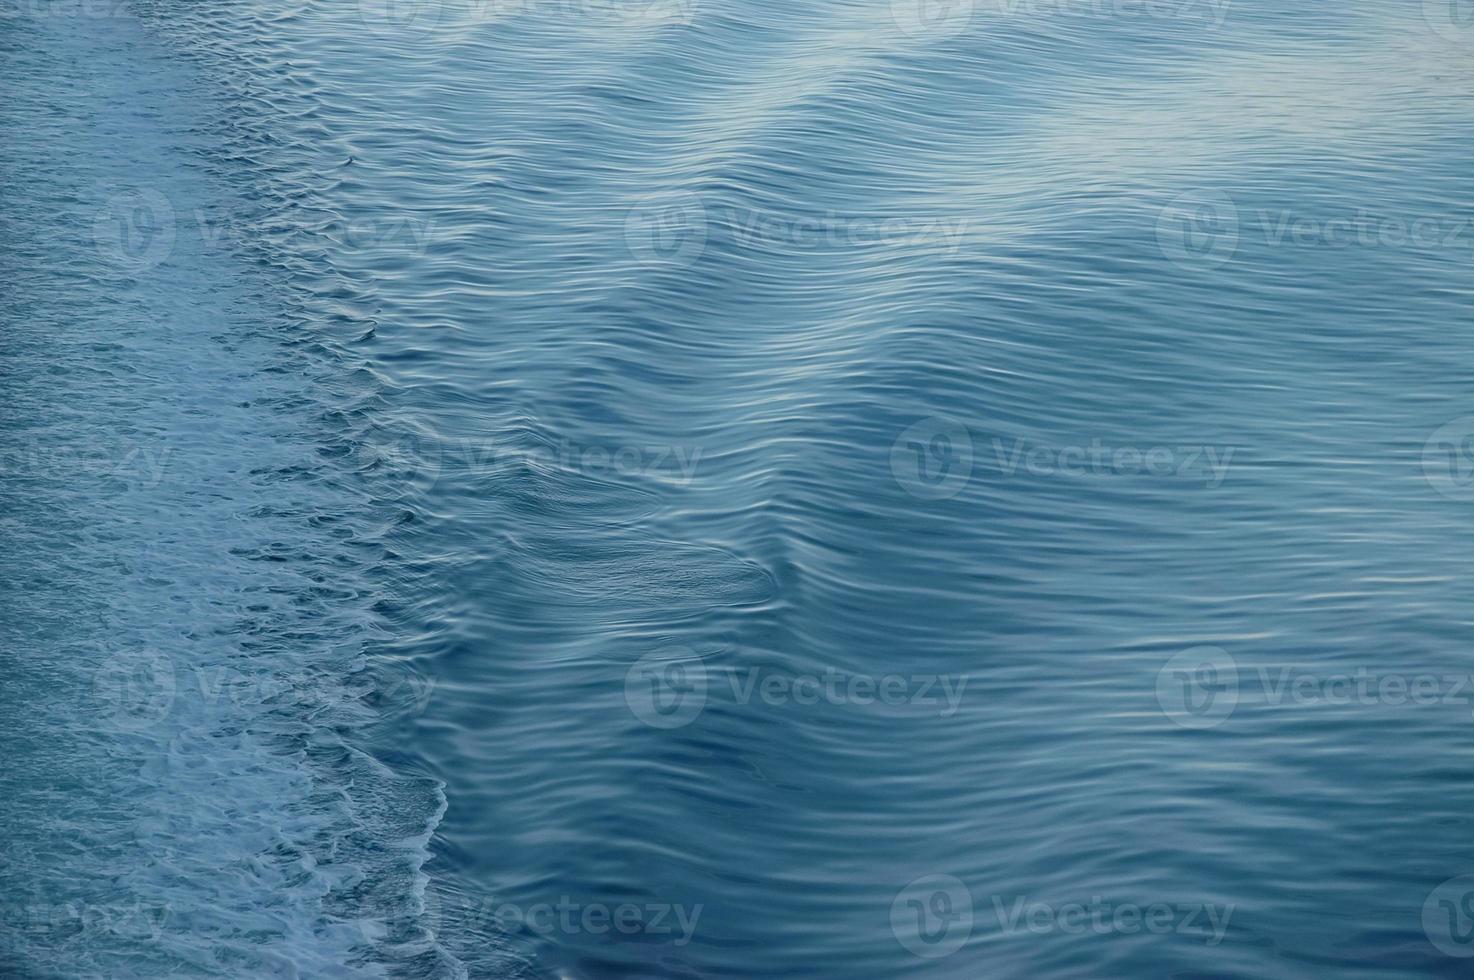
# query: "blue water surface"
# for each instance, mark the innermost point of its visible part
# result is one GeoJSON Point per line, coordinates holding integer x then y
{"type": "Point", "coordinates": [737, 488]}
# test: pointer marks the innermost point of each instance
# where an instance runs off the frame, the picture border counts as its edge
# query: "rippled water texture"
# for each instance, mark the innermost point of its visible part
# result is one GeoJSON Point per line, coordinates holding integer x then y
{"type": "Point", "coordinates": [732, 488]}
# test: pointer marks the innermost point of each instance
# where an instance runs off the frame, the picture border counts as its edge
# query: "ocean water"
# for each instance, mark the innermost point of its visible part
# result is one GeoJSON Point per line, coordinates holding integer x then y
{"type": "Point", "coordinates": [733, 488]}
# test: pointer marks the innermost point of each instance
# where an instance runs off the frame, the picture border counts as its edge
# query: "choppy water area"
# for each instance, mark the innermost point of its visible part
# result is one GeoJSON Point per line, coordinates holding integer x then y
{"type": "Point", "coordinates": [198, 528]}
{"type": "Point", "coordinates": [738, 489]}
